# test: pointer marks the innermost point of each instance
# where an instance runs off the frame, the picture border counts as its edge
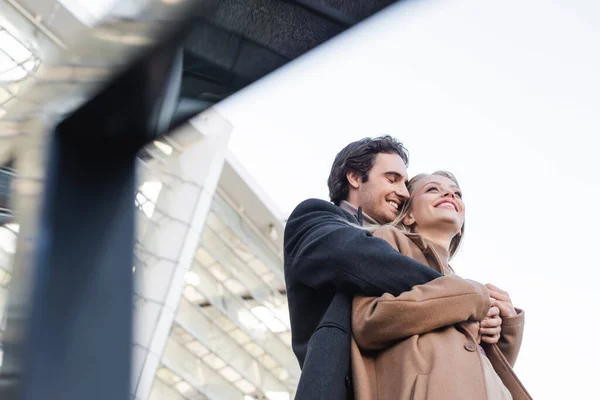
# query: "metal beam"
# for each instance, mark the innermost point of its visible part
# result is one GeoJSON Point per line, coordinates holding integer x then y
{"type": "Point", "coordinates": [76, 343]}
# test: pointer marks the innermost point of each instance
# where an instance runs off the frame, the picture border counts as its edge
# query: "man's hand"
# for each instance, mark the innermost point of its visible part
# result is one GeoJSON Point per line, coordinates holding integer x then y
{"type": "Point", "coordinates": [490, 327]}
{"type": "Point", "coordinates": [502, 300]}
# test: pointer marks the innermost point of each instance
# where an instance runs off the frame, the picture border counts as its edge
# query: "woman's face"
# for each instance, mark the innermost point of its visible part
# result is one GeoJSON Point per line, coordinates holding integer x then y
{"type": "Point", "coordinates": [436, 203]}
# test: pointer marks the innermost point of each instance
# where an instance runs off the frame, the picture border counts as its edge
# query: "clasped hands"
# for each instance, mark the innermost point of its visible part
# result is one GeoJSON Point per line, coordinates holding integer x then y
{"type": "Point", "coordinates": [491, 327]}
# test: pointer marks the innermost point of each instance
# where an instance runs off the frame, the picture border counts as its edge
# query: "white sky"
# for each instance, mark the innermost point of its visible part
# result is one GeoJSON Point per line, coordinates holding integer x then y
{"type": "Point", "coordinates": [504, 94]}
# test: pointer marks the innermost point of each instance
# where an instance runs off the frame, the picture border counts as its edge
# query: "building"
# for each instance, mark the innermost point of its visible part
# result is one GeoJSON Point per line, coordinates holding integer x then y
{"type": "Point", "coordinates": [211, 312]}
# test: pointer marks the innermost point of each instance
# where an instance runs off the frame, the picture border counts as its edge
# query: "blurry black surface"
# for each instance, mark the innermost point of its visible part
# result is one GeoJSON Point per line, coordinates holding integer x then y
{"type": "Point", "coordinates": [232, 43]}
{"type": "Point", "coordinates": [76, 333]}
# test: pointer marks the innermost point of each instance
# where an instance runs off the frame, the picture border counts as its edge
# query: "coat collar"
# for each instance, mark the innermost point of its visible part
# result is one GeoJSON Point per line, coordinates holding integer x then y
{"type": "Point", "coordinates": [346, 206]}
{"type": "Point", "coordinates": [426, 246]}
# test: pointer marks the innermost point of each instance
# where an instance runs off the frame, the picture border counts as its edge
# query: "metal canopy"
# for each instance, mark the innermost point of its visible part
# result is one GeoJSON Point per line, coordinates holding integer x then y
{"type": "Point", "coordinates": [233, 43]}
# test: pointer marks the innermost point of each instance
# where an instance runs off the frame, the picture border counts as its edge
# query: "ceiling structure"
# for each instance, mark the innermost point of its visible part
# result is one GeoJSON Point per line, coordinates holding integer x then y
{"type": "Point", "coordinates": [229, 44]}
{"type": "Point", "coordinates": [233, 43]}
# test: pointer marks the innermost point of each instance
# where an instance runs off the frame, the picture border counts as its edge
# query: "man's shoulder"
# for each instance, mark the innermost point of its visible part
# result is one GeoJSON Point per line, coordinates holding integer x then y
{"type": "Point", "coordinates": [315, 213]}
{"type": "Point", "coordinates": [317, 207]}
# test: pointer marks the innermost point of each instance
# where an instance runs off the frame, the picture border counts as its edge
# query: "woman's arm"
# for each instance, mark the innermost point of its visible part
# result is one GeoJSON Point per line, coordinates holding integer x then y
{"type": "Point", "coordinates": [511, 336]}
{"type": "Point", "coordinates": [513, 323]}
{"type": "Point", "coordinates": [378, 322]}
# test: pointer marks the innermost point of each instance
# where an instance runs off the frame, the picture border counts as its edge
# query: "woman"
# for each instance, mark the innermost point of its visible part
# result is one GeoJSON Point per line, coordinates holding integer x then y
{"type": "Point", "coordinates": [425, 344]}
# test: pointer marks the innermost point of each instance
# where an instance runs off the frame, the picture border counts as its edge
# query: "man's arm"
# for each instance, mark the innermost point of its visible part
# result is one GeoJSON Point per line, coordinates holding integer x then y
{"type": "Point", "coordinates": [439, 303]}
{"type": "Point", "coordinates": [323, 249]}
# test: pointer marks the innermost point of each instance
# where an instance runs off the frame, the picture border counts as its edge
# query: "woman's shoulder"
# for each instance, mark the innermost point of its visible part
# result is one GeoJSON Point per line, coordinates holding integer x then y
{"type": "Point", "coordinates": [389, 230]}
{"type": "Point", "coordinates": [396, 237]}
{"type": "Point", "coordinates": [398, 233]}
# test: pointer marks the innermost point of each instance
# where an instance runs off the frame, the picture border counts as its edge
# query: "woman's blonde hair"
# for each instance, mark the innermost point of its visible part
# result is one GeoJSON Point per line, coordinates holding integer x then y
{"type": "Point", "coordinates": [407, 207]}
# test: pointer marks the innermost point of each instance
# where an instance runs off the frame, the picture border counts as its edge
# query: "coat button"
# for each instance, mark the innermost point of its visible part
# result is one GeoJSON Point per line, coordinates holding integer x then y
{"type": "Point", "coordinates": [470, 346]}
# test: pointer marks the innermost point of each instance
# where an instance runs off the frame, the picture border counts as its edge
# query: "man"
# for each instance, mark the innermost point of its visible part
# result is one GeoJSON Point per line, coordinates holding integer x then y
{"type": "Point", "coordinates": [329, 260]}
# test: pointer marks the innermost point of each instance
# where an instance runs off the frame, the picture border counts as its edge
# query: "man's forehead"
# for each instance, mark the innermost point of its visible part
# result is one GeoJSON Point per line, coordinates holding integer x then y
{"type": "Point", "coordinates": [392, 163]}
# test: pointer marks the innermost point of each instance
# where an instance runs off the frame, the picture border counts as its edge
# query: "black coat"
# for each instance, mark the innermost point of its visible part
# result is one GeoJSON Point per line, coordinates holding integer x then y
{"type": "Point", "coordinates": [326, 262]}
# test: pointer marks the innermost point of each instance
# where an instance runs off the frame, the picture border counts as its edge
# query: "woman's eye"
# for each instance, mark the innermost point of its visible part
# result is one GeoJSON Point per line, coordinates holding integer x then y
{"type": "Point", "coordinates": [459, 194]}
{"type": "Point", "coordinates": [431, 189]}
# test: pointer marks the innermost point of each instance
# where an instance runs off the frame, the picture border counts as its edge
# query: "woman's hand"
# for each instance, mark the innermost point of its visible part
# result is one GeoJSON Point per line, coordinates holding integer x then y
{"type": "Point", "coordinates": [491, 327]}
{"type": "Point", "coordinates": [502, 300]}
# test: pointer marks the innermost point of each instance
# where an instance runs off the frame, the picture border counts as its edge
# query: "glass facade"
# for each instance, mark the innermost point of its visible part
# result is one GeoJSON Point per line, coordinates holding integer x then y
{"type": "Point", "coordinates": [17, 60]}
{"type": "Point", "coordinates": [230, 336]}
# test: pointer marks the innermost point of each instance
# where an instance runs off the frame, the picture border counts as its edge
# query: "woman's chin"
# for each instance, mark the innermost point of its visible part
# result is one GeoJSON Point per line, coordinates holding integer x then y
{"type": "Point", "coordinates": [451, 224]}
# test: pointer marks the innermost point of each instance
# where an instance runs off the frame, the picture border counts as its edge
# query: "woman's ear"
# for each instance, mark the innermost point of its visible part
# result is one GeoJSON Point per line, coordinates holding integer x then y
{"type": "Point", "coordinates": [353, 179]}
{"type": "Point", "coordinates": [408, 220]}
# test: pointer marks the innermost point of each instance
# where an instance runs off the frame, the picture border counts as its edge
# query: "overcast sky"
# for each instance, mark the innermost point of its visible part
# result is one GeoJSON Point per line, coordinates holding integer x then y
{"type": "Point", "coordinates": [506, 95]}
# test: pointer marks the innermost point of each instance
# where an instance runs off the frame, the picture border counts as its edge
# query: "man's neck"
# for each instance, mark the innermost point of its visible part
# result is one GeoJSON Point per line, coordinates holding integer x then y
{"type": "Point", "coordinates": [353, 209]}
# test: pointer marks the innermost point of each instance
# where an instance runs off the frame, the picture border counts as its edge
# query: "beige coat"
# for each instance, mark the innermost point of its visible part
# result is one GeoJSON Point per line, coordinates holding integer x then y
{"type": "Point", "coordinates": [423, 343]}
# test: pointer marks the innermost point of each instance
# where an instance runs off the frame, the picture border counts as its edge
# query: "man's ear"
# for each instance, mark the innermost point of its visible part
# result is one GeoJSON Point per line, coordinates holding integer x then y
{"type": "Point", "coordinates": [353, 179]}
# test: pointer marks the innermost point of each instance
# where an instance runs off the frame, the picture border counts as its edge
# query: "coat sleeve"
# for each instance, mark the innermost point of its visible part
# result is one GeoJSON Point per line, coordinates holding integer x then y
{"type": "Point", "coordinates": [511, 336]}
{"type": "Point", "coordinates": [323, 249]}
{"type": "Point", "coordinates": [378, 322]}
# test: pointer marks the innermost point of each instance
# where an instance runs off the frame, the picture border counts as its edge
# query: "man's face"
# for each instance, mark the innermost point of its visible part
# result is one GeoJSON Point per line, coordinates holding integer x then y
{"type": "Point", "coordinates": [380, 197]}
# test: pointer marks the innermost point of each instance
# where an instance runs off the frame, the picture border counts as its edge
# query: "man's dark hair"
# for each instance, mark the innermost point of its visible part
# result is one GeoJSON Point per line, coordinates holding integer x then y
{"type": "Point", "coordinates": [358, 157]}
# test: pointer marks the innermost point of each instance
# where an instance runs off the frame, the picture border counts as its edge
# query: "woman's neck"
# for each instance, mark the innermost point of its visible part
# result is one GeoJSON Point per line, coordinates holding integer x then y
{"type": "Point", "coordinates": [440, 237]}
